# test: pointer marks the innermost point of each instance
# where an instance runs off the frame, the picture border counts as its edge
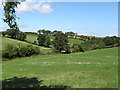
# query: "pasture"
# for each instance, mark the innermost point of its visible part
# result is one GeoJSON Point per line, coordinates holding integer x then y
{"type": "Point", "coordinates": [32, 38]}
{"type": "Point", "coordinates": [92, 69]}
{"type": "Point", "coordinates": [6, 41]}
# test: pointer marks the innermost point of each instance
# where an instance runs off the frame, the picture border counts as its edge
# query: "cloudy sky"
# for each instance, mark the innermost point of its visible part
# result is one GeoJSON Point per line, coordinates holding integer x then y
{"type": "Point", "coordinates": [89, 18]}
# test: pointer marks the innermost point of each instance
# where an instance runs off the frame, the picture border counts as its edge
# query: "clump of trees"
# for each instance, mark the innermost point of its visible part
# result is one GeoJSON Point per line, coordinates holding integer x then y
{"type": "Point", "coordinates": [14, 34]}
{"type": "Point", "coordinates": [60, 43]}
{"type": "Point", "coordinates": [12, 51]}
{"type": "Point", "coordinates": [77, 48]}
{"type": "Point", "coordinates": [100, 43]}
{"type": "Point", "coordinates": [111, 41]}
{"type": "Point", "coordinates": [43, 40]}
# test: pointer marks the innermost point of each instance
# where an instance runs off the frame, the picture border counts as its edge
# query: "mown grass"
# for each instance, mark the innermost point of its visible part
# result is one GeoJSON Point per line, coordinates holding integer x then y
{"type": "Point", "coordinates": [93, 69]}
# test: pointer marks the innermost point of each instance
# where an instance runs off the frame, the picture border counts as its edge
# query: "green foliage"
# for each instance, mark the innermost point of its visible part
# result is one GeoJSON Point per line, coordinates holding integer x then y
{"type": "Point", "coordinates": [3, 33]}
{"type": "Point", "coordinates": [93, 44]}
{"type": "Point", "coordinates": [21, 36]}
{"type": "Point", "coordinates": [9, 52]}
{"type": "Point", "coordinates": [35, 42]}
{"type": "Point", "coordinates": [112, 41]}
{"type": "Point", "coordinates": [41, 39]}
{"type": "Point", "coordinates": [60, 42]}
{"type": "Point", "coordinates": [12, 51]}
{"type": "Point", "coordinates": [47, 41]}
{"type": "Point", "coordinates": [77, 48]}
{"type": "Point", "coordinates": [55, 32]}
{"type": "Point", "coordinates": [46, 32]}
{"type": "Point", "coordinates": [12, 33]}
{"type": "Point", "coordinates": [9, 13]}
{"type": "Point", "coordinates": [71, 34]}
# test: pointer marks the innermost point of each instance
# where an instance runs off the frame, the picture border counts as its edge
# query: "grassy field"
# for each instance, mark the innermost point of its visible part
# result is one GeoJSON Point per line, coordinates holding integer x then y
{"type": "Point", "coordinates": [93, 69]}
{"type": "Point", "coordinates": [6, 41]}
{"type": "Point", "coordinates": [32, 38]}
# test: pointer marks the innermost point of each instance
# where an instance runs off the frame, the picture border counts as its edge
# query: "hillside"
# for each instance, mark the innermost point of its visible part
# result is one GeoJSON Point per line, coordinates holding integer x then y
{"type": "Point", "coordinates": [6, 41]}
{"type": "Point", "coordinates": [93, 69]}
{"type": "Point", "coordinates": [33, 37]}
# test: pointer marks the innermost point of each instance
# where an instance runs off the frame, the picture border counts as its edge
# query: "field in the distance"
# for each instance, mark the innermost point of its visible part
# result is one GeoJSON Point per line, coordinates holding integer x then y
{"type": "Point", "coordinates": [32, 38]}
{"type": "Point", "coordinates": [93, 69]}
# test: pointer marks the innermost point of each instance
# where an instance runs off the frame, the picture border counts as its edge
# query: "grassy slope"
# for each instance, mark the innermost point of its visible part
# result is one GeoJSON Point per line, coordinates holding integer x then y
{"type": "Point", "coordinates": [94, 69]}
{"type": "Point", "coordinates": [6, 41]}
{"type": "Point", "coordinates": [32, 38]}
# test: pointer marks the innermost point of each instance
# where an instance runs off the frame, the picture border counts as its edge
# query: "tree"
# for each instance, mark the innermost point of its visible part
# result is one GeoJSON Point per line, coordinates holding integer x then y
{"type": "Point", "coordinates": [41, 39]}
{"type": "Point", "coordinates": [60, 42]}
{"type": "Point", "coordinates": [47, 41]}
{"type": "Point", "coordinates": [3, 33]}
{"type": "Point", "coordinates": [56, 32]}
{"type": "Point", "coordinates": [10, 18]}
{"type": "Point", "coordinates": [70, 34]}
{"type": "Point", "coordinates": [21, 36]}
{"type": "Point", "coordinates": [47, 32]}
{"type": "Point", "coordinates": [12, 33]}
{"type": "Point", "coordinates": [9, 13]}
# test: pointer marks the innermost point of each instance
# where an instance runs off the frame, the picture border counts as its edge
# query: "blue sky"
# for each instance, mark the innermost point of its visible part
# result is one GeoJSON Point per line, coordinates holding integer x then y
{"type": "Point", "coordinates": [90, 18]}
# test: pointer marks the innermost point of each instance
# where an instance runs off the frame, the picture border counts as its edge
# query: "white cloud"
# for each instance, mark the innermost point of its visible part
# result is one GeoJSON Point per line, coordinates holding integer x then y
{"type": "Point", "coordinates": [31, 6]}
{"type": "Point", "coordinates": [25, 7]}
{"type": "Point", "coordinates": [1, 7]}
{"type": "Point", "coordinates": [45, 8]}
{"type": "Point", "coordinates": [22, 25]}
{"type": "Point", "coordinates": [112, 35]}
{"type": "Point", "coordinates": [69, 28]}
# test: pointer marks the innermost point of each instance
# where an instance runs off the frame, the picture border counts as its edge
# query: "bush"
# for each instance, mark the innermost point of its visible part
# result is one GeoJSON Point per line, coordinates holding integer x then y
{"type": "Point", "coordinates": [21, 36]}
{"type": "Point", "coordinates": [77, 48]}
{"type": "Point", "coordinates": [9, 52]}
{"type": "Point", "coordinates": [93, 44]}
{"type": "Point", "coordinates": [19, 51]}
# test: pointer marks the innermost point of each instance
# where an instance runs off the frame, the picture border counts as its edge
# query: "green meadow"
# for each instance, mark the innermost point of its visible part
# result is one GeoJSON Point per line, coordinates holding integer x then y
{"type": "Point", "coordinates": [32, 38]}
{"type": "Point", "coordinates": [92, 69]}
{"type": "Point", "coordinates": [6, 41]}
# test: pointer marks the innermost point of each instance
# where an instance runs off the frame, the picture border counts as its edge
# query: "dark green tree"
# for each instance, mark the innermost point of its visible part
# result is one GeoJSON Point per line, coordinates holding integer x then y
{"type": "Point", "coordinates": [56, 32]}
{"type": "Point", "coordinates": [12, 33]}
{"type": "Point", "coordinates": [21, 36]}
{"type": "Point", "coordinates": [60, 42]}
{"type": "Point", "coordinates": [47, 41]}
{"type": "Point", "coordinates": [41, 39]}
{"type": "Point", "coordinates": [9, 13]}
{"type": "Point", "coordinates": [3, 33]}
{"type": "Point", "coordinates": [10, 18]}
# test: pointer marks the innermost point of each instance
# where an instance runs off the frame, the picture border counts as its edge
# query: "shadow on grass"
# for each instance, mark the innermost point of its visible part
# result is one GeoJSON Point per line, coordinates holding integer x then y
{"type": "Point", "coordinates": [28, 83]}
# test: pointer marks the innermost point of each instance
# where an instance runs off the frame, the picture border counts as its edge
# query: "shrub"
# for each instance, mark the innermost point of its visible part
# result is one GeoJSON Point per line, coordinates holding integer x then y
{"type": "Point", "coordinates": [19, 51]}
{"type": "Point", "coordinates": [21, 36]}
{"type": "Point", "coordinates": [47, 41]}
{"type": "Point", "coordinates": [93, 44]}
{"type": "Point", "coordinates": [77, 48]}
{"type": "Point", "coordinates": [9, 52]}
